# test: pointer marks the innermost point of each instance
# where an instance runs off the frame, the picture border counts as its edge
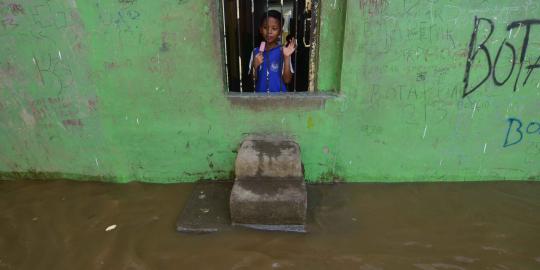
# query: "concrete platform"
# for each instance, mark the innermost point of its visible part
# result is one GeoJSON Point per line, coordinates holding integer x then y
{"type": "Point", "coordinates": [207, 209]}
{"type": "Point", "coordinates": [269, 202]}
{"type": "Point", "coordinates": [269, 191]}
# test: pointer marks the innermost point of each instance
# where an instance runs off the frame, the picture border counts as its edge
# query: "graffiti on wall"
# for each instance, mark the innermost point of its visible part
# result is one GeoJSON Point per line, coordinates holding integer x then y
{"type": "Point", "coordinates": [53, 72]}
{"type": "Point", "coordinates": [125, 19]}
{"type": "Point", "coordinates": [518, 129]}
{"type": "Point", "coordinates": [478, 49]}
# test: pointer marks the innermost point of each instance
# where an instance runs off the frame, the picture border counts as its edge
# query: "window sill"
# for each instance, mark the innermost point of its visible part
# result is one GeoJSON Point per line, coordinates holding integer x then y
{"type": "Point", "coordinates": [264, 101]}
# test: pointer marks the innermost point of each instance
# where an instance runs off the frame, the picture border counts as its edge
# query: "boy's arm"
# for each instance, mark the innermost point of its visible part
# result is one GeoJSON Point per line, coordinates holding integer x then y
{"type": "Point", "coordinates": [287, 74]}
{"type": "Point", "coordinates": [251, 66]}
{"type": "Point", "coordinates": [254, 72]}
{"type": "Point", "coordinates": [259, 58]}
{"type": "Point", "coordinates": [288, 50]}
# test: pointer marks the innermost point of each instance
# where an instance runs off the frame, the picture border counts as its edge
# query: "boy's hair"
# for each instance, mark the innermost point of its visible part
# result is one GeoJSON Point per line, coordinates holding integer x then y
{"type": "Point", "coordinates": [273, 14]}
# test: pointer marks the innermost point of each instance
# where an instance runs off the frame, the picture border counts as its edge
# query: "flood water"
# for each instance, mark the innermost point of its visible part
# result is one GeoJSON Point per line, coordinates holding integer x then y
{"type": "Point", "coordinates": [62, 225]}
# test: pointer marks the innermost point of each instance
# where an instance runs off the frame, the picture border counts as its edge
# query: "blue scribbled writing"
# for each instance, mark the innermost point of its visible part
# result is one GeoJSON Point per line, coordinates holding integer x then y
{"type": "Point", "coordinates": [516, 131]}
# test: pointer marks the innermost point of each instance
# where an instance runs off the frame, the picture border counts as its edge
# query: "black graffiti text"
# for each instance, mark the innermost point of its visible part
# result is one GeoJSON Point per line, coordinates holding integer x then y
{"type": "Point", "coordinates": [480, 50]}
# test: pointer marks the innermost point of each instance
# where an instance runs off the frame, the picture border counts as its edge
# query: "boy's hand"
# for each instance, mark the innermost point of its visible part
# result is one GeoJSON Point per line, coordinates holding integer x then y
{"type": "Point", "coordinates": [290, 48]}
{"type": "Point", "coordinates": [259, 58]}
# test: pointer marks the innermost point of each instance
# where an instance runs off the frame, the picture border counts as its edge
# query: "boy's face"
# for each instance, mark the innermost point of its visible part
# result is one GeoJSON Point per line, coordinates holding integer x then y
{"type": "Point", "coordinates": [270, 30]}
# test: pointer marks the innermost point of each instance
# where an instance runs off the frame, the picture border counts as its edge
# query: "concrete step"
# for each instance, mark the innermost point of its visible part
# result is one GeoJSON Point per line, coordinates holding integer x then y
{"type": "Point", "coordinates": [269, 191]}
{"type": "Point", "coordinates": [268, 156]}
{"type": "Point", "coordinates": [269, 202]}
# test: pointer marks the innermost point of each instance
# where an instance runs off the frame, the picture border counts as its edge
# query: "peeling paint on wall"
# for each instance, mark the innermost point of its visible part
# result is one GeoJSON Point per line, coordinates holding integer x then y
{"type": "Point", "coordinates": [28, 119]}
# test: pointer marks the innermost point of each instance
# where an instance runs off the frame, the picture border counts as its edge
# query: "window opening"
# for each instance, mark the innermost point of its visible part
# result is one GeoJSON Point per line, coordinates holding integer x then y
{"type": "Point", "coordinates": [241, 19]}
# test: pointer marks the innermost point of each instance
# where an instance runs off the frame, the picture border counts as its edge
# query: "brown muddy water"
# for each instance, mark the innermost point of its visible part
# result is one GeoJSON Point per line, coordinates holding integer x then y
{"type": "Point", "coordinates": [62, 225]}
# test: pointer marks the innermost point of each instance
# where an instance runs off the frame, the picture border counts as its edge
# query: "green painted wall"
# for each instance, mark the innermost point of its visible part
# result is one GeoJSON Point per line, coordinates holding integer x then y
{"type": "Point", "coordinates": [133, 90]}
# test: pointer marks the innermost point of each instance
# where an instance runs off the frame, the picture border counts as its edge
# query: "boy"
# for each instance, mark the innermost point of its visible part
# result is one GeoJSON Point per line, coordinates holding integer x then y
{"type": "Point", "coordinates": [272, 68]}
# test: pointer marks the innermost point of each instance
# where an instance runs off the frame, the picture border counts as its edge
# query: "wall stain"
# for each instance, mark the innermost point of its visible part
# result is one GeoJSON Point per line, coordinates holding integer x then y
{"type": "Point", "coordinates": [16, 8]}
{"type": "Point", "coordinates": [9, 12]}
{"type": "Point", "coordinates": [72, 122]}
{"type": "Point", "coordinates": [129, 2]}
{"type": "Point", "coordinates": [8, 74]}
{"type": "Point", "coordinates": [28, 118]}
{"type": "Point", "coordinates": [210, 163]}
{"type": "Point", "coordinates": [310, 123]}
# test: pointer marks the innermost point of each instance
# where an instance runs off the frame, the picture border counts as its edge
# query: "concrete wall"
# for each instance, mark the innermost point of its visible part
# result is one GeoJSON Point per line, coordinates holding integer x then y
{"type": "Point", "coordinates": [133, 90]}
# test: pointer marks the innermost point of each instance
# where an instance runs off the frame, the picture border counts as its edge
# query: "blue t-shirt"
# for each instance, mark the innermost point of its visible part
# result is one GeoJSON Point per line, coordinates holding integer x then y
{"type": "Point", "coordinates": [269, 73]}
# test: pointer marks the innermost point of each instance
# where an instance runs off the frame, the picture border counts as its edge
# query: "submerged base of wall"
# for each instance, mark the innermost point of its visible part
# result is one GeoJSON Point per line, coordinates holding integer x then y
{"type": "Point", "coordinates": [34, 175]}
{"type": "Point", "coordinates": [52, 176]}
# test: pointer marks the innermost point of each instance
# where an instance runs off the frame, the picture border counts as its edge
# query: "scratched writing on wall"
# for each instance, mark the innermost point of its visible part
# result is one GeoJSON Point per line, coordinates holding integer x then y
{"type": "Point", "coordinates": [46, 16]}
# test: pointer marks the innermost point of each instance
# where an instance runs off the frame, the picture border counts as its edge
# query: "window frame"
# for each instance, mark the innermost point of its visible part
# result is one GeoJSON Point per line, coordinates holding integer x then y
{"type": "Point", "coordinates": [312, 64]}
